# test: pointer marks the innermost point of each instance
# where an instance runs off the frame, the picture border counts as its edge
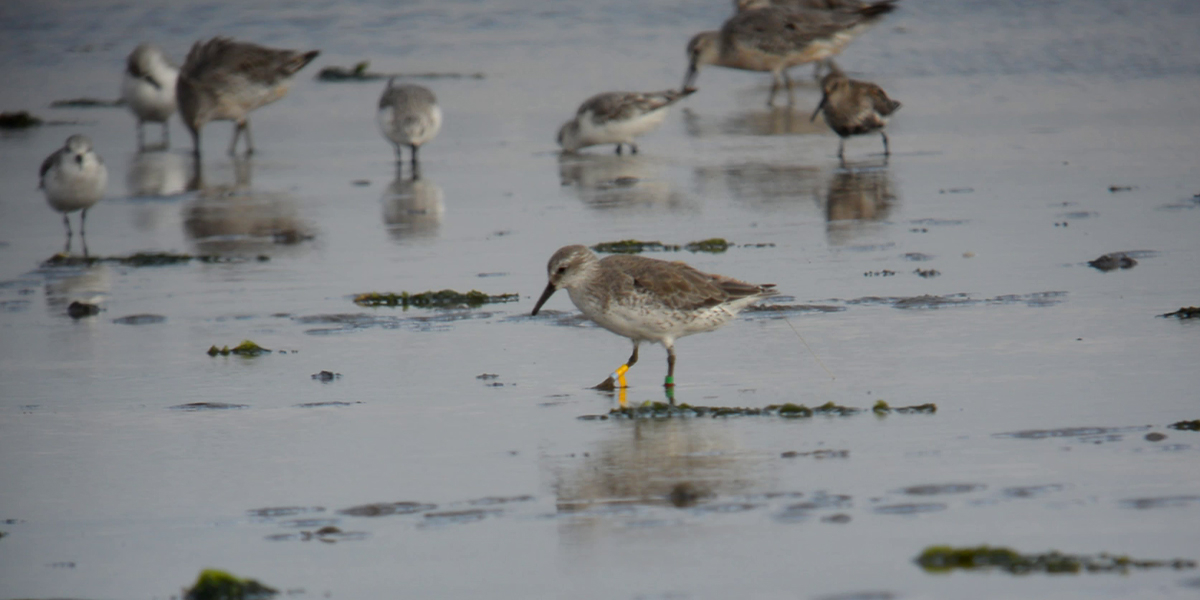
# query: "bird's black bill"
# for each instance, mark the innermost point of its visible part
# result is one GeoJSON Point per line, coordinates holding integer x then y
{"type": "Point", "coordinates": [689, 80]}
{"type": "Point", "coordinates": [820, 105]}
{"type": "Point", "coordinates": [550, 289]}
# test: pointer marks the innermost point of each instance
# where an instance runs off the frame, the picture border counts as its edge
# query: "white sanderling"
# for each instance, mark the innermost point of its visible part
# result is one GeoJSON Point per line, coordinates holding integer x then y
{"type": "Point", "coordinates": [617, 118]}
{"type": "Point", "coordinates": [224, 80]}
{"type": "Point", "coordinates": [148, 88]}
{"type": "Point", "coordinates": [854, 107]}
{"type": "Point", "coordinates": [73, 178]}
{"type": "Point", "coordinates": [646, 299]}
{"type": "Point", "coordinates": [408, 116]}
{"type": "Point", "coordinates": [775, 39]}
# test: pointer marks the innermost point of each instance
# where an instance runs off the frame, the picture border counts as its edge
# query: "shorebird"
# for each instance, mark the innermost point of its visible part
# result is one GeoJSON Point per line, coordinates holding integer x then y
{"type": "Point", "coordinates": [148, 88]}
{"type": "Point", "coordinates": [73, 178]}
{"type": "Point", "coordinates": [408, 116]}
{"type": "Point", "coordinates": [775, 39]}
{"type": "Point", "coordinates": [854, 107]}
{"type": "Point", "coordinates": [617, 118]}
{"type": "Point", "coordinates": [850, 5]}
{"type": "Point", "coordinates": [647, 300]}
{"type": "Point", "coordinates": [223, 80]}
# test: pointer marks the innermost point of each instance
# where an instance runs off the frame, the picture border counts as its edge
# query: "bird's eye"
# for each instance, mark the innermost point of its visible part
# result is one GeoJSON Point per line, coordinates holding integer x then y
{"type": "Point", "coordinates": [561, 270]}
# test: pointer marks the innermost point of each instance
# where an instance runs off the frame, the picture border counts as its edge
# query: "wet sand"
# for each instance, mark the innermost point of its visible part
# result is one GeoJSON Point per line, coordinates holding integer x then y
{"type": "Point", "coordinates": [1018, 122]}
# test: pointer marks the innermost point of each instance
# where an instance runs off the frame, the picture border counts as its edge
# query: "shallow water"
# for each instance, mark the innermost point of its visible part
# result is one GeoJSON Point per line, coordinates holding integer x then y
{"type": "Point", "coordinates": [1048, 374]}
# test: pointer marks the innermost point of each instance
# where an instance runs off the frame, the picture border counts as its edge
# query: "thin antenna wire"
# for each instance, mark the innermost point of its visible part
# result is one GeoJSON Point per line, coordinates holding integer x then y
{"type": "Point", "coordinates": [810, 350]}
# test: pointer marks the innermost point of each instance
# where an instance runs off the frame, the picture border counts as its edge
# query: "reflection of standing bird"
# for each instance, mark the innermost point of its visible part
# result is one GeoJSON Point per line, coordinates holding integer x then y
{"type": "Point", "coordinates": [148, 88]}
{"type": "Point", "coordinates": [73, 178]}
{"type": "Point", "coordinates": [854, 108]}
{"type": "Point", "coordinates": [646, 299]}
{"type": "Point", "coordinates": [223, 80]}
{"type": "Point", "coordinates": [408, 116]}
{"type": "Point", "coordinates": [617, 118]}
{"type": "Point", "coordinates": [776, 39]}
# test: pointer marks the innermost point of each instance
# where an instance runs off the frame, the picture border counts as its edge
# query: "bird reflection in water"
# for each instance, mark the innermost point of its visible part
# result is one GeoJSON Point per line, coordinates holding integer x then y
{"type": "Point", "coordinates": [86, 284]}
{"type": "Point", "coordinates": [237, 218]}
{"type": "Point", "coordinates": [413, 206]}
{"type": "Point", "coordinates": [764, 186]}
{"type": "Point", "coordinates": [157, 174]}
{"type": "Point", "coordinates": [859, 195]}
{"type": "Point", "coordinates": [780, 120]}
{"type": "Point", "coordinates": [663, 463]}
{"type": "Point", "coordinates": [611, 181]}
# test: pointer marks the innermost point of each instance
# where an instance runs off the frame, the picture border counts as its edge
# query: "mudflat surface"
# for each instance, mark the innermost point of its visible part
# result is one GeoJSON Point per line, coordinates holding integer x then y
{"type": "Point", "coordinates": [1033, 138]}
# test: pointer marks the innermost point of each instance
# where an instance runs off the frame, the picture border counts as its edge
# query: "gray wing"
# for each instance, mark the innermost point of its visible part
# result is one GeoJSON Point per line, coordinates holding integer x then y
{"type": "Point", "coordinates": [222, 58]}
{"type": "Point", "coordinates": [677, 285]}
{"type": "Point", "coordinates": [627, 105]}
{"type": "Point", "coordinates": [46, 165]}
{"type": "Point", "coordinates": [779, 31]}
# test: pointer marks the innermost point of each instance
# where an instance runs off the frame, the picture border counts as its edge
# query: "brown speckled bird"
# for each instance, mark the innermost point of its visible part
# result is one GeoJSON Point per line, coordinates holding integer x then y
{"type": "Point", "coordinates": [647, 300]}
{"type": "Point", "coordinates": [224, 80]}
{"type": "Point", "coordinates": [854, 107]}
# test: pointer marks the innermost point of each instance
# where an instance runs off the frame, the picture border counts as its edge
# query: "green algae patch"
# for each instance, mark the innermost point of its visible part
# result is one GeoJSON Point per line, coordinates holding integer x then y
{"type": "Point", "coordinates": [944, 559]}
{"type": "Point", "coordinates": [883, 408]}
{"type": "Point", "coordinates": [214, 584]}
{"type": "Point", "coordinates": [1187, 312]}
{"type": "Point", "coordinates": [633, 247]}
{"type": "Point", "coordinates": [246, 348]}
{"type": "Point", "coordinates": [442, 299]}
{"type": "Point", "coordinates": [711, 245]}
{"type": "Point", "coordinates": [663, 410]}
{"type": "Point", "coordinates": [1186, 425]}
{"type": "Point", "coordinates": [142, 259]}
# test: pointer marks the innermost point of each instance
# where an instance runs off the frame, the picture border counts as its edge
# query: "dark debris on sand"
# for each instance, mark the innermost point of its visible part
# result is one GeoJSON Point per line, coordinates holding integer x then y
{"type": "Point", "coordinates": [18, 120]}
{"type": "Point", "coordinates": [943, 559]}
{"type": "Point", "coordinates": [431, 299]}
{"type": "Point", "coordinates": [1193, 425]}
{"type": "Point", "coordinates": [1113, 261]}
{"type": "Point", "coordinates": [142, 259]}
{"type": "Point", "coordinates": [1187, 312]}
{"type": "Point", "coordinates": [661, 410]}
{"type": "Point", "coordinates": [359, 72]}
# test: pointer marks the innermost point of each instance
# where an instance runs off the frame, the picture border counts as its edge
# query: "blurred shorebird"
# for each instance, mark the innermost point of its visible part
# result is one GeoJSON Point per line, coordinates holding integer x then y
{"type": "Point", "coordinates": [148, 89]}
{"type": "Point", "coordinates": [617, 118]}
{"type": "Point", "coordinates": [775, 39]}
{"type": "Point", "coordinates": [646, 299]}
{"type": "Point", "coordinates": [840, 5]}
{"type": "Point", "coordinates": [854, 107]}
{"type": "Point", "coordinates": [408, 116]}
{"type": "Point", "coordinates": [73, 178]}
{"type": "Point", "coordinates": [224, 80]}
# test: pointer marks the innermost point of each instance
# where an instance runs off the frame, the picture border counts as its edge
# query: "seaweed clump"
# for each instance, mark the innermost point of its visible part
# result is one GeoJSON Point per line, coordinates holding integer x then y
{"type": "Point", "coordinates": [634, 247]}
{"type": "Point", "coordinates": [442, 299]}
{"type": "Point", "coordinates": [883, 408]}
{"type": "Point", "coordinates": [140, 259]}
{"type": "Point", "coordinates": [18, 120]}
{"type": "Point", "coordinates": [943, 559]}
{"type": "Point", "coordinates": [1193, 425]}
{"type": "Point", "coordinates": [711, 245]}
{"type": "Point", "coordinates": [661, 410]}
{"type": "Point", "coordinates": [213, 584]}
{"type": "Point", "coordinates": [1187, 312]}
{"type": "Point", "coordinates": [246, 348]}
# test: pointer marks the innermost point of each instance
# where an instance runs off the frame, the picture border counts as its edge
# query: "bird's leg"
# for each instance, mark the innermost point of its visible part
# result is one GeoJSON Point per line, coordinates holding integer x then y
{"type": "Point", "coordinates": [775, 81]}
{"type": "Point", "coordinates": [788, 82]}
{"type": "Point", "coordinates": [237, 132]}
{"type": "Point", "coordinates": [195, 144]}
{"type": "Point", "coordinates": [611, 382]}
{"type": "Point", "coordinates": [618, 148]}
{"type": "Point", "coordinates": [414, 158]}
{"type": "Point", "coordinates": [670, 380]}
{"type": "Point", "coordinates": [841, 146]}
{"type": "Point", "coordinates": [632, 148]}
{"type": "Point", "coordinates": [82, 222]}
{"type": "Point", "coordinates": [67, 247]}
{"type": "Point", "coordinates": [886, 152]}
{"type": "Point", "coordinates": [249, 141]}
